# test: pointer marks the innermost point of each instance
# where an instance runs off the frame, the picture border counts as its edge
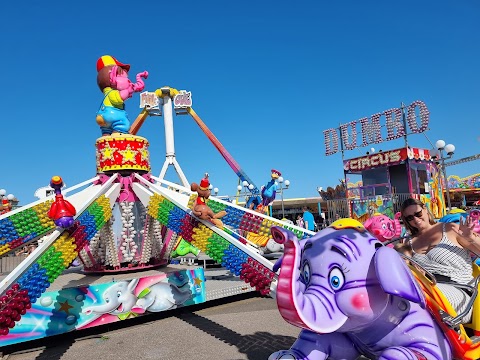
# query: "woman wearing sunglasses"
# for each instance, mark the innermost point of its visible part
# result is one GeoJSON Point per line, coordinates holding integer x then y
{"type": "Point", "coordinates": [443, 249]}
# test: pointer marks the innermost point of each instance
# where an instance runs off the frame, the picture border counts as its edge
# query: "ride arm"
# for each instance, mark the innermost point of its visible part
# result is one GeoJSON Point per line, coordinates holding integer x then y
{"type": "Point", "coordinates": [137, 124]}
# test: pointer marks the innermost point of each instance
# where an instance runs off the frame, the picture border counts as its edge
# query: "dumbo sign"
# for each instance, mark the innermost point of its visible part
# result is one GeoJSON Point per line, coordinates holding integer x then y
{"type": "Point", "coordinates": [370, 128]}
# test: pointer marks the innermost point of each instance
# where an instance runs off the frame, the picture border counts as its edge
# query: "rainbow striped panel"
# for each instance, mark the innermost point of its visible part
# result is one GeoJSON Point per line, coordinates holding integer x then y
{"type": "Point", "coordinates": [53, 262]}
{"type": "Point", "coordinates": [24, 226]}
{"type": "Point", "coordinates": [246, 221]}
{"type": "Point", "coordinates": [215, 246]}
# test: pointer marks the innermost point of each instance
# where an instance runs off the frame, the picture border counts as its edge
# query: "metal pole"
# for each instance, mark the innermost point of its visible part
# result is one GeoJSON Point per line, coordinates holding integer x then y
{"type": "Point", "coordinates": [283, 209]}
{"type": "Point", "coordinates": [446, 182]}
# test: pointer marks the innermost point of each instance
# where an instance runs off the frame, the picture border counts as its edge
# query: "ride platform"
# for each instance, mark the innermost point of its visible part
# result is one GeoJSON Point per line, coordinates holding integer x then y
{"type": "Point", "coordinates": [78, 300]}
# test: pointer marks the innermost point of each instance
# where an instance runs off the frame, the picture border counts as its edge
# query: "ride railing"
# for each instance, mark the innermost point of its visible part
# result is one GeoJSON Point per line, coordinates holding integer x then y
{"type": "Point", "coordinates": [10, 262]}
{"type": "Point", "coordinates": [343, 207]}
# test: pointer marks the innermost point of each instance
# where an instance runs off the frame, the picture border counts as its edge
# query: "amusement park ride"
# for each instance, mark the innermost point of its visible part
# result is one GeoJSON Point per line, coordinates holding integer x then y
{"type": "Point", "coordinates": [120, 221]}
{"type": "Point", "coordinates": [124, 220]}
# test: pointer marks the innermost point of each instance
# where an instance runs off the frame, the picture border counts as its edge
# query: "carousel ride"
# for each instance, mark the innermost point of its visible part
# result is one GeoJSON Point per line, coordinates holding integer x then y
{"type": "Point", "coordinates": [125, 219]}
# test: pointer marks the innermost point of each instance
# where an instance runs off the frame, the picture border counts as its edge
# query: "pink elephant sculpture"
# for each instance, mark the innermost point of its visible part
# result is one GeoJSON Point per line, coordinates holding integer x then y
{"type": "Point", "coordinates": [475, 216]}
{"type": "Point", "coordinates": [384, 228]}
{"type": "Point", "coordinates": [113, 81]}
{"type": "Point", "coordinates": [352, 296]}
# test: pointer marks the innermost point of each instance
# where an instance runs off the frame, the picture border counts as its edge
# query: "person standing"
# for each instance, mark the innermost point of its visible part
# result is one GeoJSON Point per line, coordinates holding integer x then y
{"type": "Point", "coordinates": [308, 219]}
{"type": "Point", "coordinates": [300, 222]}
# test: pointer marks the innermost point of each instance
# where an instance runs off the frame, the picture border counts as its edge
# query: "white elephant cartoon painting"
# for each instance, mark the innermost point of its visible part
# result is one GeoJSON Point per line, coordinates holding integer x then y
{"type": "Point", "coordinates": [125, 298]}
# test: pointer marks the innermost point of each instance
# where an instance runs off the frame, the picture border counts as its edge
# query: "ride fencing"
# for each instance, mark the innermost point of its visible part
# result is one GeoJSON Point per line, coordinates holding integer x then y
{"type": "Point", "coordinates": [343, 207]}
{"type": "Point", "coordinates": [10, 262]}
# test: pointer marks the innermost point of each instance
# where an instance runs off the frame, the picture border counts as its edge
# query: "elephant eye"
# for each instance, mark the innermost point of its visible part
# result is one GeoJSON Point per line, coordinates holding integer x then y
{"type": "Point", "coordinates": [119, 294]}
{"type": "Point", "coordinates": [336, 278]}
{"type": "Point", "coordinates": [306, 273]}
{"type": "Point", "coordinates": [384, 226]}
{"type": "Point", "coordinates": [107, 300]}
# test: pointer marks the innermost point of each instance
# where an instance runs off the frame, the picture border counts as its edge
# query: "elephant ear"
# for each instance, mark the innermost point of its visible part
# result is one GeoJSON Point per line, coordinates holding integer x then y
{"type": "Point", "coordinates": [131, 286]}
{"type": "Point", "coordinates": [367, 223]}
{"type": "Point", "coordinates": [395, 277]}
{"type": "Point", "coordinates": [281, 236]}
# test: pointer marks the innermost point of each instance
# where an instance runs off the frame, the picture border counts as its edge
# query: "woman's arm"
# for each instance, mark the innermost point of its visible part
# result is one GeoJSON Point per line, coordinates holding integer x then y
{"type": "Point", "coordinates": [465, 235]}
{"type": "Point", "coordinates": [404, 248]}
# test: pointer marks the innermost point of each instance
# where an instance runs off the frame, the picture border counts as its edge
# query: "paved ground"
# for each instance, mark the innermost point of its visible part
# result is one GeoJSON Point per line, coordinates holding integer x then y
{"type": "Point", "coordinates": [246, 326]}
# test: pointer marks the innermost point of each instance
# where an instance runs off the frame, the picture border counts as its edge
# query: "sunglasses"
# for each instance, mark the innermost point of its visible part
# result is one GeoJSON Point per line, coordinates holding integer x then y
{"type": "Point", "coordinates": [418, 214]}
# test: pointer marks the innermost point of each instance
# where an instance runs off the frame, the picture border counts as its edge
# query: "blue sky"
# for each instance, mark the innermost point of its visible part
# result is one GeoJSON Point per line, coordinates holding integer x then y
{"type": "Point", "coordinates": [267, 77]}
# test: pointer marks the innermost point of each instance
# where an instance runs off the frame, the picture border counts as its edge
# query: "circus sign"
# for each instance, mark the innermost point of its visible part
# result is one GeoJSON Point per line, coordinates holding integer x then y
{"type": "Point", "coordinates": [385, 158]}
{"type": "Point", "coordinates": [375, 160]}
{"type": "Point", "coordinates": [370, 128]}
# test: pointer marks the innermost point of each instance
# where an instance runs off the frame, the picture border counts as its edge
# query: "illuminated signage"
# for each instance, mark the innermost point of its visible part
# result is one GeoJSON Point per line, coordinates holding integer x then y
{"type": "Point", "coordinates": [182, 100]}
{"type": "Point", "coordinates": [370, 128]}
{"type": "Point", "coordinates": [386, 158]}
{"type": "Point", "coordinates": [371, 161]}
{"type": "Point", "coordinates": [149, 100]}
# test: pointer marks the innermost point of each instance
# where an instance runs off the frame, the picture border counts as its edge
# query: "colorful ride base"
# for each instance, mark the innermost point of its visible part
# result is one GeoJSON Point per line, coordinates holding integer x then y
{"type": "Point", "coordinates": [92, 304]}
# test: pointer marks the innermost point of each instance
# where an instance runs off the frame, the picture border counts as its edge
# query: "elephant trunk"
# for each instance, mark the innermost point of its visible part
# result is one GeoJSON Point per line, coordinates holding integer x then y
{"type": "Point", "coordinates": [99, 309]}
{"type": "Point", "coordinates": [140, 85]}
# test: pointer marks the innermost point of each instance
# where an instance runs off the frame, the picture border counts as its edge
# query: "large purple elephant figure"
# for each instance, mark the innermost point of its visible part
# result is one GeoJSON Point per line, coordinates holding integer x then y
{"type": "Point", "coordinates": [352, 296]}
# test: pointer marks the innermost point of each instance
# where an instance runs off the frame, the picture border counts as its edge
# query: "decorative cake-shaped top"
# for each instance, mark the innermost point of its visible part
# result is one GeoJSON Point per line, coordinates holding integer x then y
{"type": "Point", "coordinates": [122, 152]}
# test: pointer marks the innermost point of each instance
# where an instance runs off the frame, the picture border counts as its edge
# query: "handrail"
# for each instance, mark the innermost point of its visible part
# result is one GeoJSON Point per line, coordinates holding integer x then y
{"type": "Point", "coordinates": [457, 320]}
{"type": "Point", "coordinates": [446, 318]}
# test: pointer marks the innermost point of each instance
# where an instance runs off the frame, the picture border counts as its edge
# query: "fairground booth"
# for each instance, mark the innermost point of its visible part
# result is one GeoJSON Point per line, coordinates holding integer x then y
{"type": "Point", "coordinates": [379, 181]}
{"type": "Point", "coordinates": [388, 178]}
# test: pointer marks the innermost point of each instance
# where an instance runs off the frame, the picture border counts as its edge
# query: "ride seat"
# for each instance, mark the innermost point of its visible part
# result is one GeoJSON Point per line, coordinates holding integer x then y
{"type": "Point", "coordinates": [463, 346]}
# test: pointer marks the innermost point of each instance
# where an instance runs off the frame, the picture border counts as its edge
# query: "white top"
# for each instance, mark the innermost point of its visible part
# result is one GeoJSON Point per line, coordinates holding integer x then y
{"type": "Point", "coordinates": [447, 259]}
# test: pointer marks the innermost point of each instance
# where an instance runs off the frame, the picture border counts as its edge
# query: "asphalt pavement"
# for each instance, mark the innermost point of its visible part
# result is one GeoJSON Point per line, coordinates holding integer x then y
{"type": "Point", "coordinates": [245, 326]}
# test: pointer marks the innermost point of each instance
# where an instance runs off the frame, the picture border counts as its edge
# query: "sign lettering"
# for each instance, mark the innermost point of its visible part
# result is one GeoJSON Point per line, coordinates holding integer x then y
{"type": "Point", "coordinates": [149, 100]}
{"type": "Point", "coordinates": [370, 161]}
{"type": "Point", "coordinates": [371, 127]}
{"type": "Point", "coordinates": [182, 100]}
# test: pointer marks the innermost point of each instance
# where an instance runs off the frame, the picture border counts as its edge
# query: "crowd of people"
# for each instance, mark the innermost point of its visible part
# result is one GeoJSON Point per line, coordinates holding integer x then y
{"type": "Point", "coordinates": [310, 221]}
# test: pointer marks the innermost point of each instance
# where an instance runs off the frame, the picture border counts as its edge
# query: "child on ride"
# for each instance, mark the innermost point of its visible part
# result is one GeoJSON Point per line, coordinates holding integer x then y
{"type": "Point", "coordinates": [443, 249]}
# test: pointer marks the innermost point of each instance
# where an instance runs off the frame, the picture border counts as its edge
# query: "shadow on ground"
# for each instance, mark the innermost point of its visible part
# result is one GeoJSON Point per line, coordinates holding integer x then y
{"type": "Point", "coordinates": [257, 346]}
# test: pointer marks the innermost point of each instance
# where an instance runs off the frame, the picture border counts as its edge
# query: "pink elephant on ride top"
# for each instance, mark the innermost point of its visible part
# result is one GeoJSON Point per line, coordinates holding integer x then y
{"type": "Point", "coordinates": [384, 228]}
{"type": "Point", "coordinates": [113, 81]}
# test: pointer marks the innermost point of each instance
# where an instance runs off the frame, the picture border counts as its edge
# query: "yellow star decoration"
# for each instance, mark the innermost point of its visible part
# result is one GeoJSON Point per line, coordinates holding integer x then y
{"type": "Point", "coordinates": [198, 281]}
{"type": "Point", "coordinates": [65, 306]}
{"type": "Point", "coordinates": [128, 154]}
{"type": "Point", "coordinates": [107, 152]}
{"type": "Point", "coordinates": [144, 154]}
